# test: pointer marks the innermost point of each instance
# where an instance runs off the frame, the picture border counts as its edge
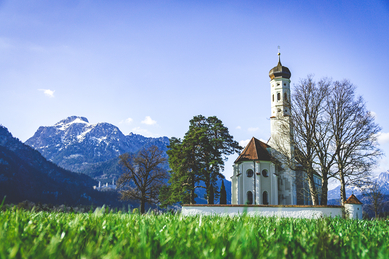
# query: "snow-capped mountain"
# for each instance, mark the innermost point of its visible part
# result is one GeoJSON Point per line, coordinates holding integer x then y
{"type": "Point", "coordinates": [76, 145]}
{"type": "Point", "coordinates": [382, 179]}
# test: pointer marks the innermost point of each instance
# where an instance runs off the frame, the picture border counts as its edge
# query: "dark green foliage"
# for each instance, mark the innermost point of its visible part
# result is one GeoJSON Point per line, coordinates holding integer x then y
{"type": "Point", "coordinates": [197, 160]}
{"type": "Point", "coordinates": [223, 194]}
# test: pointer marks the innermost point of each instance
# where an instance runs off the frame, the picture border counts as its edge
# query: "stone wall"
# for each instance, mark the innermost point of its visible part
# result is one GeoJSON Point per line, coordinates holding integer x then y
{"type": "Point", "coordinates": [291, 211]}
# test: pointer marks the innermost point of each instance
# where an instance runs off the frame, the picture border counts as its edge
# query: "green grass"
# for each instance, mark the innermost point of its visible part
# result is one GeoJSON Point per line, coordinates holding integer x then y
{"type": "Point", "coordinates": [25, 234]}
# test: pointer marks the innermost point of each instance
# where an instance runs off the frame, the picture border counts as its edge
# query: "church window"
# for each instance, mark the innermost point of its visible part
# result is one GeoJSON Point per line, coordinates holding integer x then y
{"type": "Point", "coordinates": [278, 96]}
{"type": "Point", "coordinates": [285, 97]}
{"type": "Point", "coordinates": [278, 84]}
{"type": "Point", "coordinates": [264, 173]}
{"type": "Point", "coordinates": [273, 97]}
{"type": "Point", "coordinates": [249, 173]}
{"type": "Point", "coordinates": [265, 198]}
{"type": "Point", "coordinates": [249, 197]}
{"type": "Point", "coordinates": [284, 84]}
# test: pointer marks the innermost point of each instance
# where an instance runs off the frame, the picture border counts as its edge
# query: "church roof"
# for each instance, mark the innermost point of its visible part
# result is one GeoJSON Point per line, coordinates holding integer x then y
{"type": "Point", "coordinates": [255, 150]}
{"type": "Point", "coordinates": [279, 71]}
{"type": "Point", "coordinates": [352, 200]}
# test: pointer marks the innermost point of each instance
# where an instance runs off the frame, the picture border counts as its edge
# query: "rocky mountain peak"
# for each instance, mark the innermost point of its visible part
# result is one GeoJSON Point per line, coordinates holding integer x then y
{"type": "Point", "coordinates": [75, 144]}
{"type": "Point", "coordinates": [73, 119]}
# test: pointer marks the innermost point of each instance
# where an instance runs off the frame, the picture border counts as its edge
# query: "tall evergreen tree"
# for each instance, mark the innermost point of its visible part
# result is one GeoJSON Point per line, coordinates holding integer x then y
{"type": "Point", "coordinates": [199, 158]}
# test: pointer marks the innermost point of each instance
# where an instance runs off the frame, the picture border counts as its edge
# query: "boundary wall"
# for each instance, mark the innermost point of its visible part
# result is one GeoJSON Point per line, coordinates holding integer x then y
{"type": "Point", "coordinates": [290, 211]}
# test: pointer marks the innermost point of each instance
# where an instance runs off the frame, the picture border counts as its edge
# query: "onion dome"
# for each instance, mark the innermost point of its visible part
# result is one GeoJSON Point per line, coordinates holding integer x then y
{"type": "Point", "coordinates": [279, 71]}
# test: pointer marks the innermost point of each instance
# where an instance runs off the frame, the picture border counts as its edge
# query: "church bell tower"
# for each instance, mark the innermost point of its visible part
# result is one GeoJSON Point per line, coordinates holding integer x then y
{"type": "Point", "coordinates": [280, 107]}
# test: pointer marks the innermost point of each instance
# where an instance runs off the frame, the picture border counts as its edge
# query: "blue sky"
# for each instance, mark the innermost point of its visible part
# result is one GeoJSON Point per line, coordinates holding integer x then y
{"type": "Point", "coordinates": [148, 67]}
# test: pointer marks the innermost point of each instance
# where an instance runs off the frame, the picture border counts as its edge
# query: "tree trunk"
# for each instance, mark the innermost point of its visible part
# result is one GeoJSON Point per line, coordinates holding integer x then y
{"type": "Point", "coordinates": [207, 183]}
{"type": "Point", "coordinates": [211, 195]}
{"type": "Point", "coordinates": [192, 191]}
{"type": "Point", "coordinates": [324, 189]}
{"type": "Point", "coordinates": [143, 203]}
{"type": "Point", "coordinates": [312, 189]}
{"type": "Point", "coordinates": [342, 185]}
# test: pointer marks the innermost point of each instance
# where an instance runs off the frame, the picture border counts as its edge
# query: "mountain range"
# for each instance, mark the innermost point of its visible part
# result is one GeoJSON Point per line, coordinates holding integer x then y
{"type": "Point", "coordinates": [382, 179]}
{"type": "Point", "coordinates": [92, 149]}
{"type": "Point", "coordinates": [26, 175]}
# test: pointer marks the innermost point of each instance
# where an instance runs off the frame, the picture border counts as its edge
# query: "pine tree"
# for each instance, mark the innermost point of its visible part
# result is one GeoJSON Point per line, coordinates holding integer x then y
{"type": "Point", "coordinates": [197, 160]}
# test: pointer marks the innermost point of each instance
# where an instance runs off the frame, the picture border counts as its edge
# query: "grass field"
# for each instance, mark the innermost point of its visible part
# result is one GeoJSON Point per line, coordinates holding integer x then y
{"type": "Point", "coordinates": [25, 234]}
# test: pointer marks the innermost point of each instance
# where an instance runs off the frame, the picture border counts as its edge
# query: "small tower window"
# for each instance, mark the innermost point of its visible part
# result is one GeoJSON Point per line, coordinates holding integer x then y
{"type": "Point", "coordinates": [285, 96]}
{"type": "Point", "coordinates": [278, 84]}
{"type": "Point", "coordinates": [278, 96]}
{"type": "Point", "coordinates": [273, 97]}
{"type": "Point", "coordinates": [249, 197]}
{"type": "Point", "coordinates": [284, 84]}
{"type": "Point", "coordinates": [264, 173]}
{"type": "Point", "coordinates": [249, 173]}
{"type": "Point", "coordinates": [265, 198]}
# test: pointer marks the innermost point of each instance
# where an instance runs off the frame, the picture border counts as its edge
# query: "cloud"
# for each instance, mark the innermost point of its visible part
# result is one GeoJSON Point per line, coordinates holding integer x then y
{"type": "Point", "coordinates": [148, 121]}
{"type": "Point", "coordinates": [144, 132]}
{"type": "Point", "coordinates": [239, 127]}
{"type": "Point", "coordinates": [244, 143]}
{"type": "Point", "coordinates": [126, 121]}
{"type": "Point", "coordinates": [48, 92]}
{"type": "Point", "coordinates": [383, 137]}
{"type": "Point", "coordinates": [251, 129]}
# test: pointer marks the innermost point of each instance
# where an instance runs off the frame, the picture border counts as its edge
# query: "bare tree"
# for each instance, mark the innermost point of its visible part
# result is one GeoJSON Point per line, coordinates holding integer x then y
{"type": "Point", "coordinates": [375, 197]}
{"type": "Point", "coordinates": [355, 135]}
{"type": "Point", "coordinates": [332, 134]}
{"type": "Point", "coordinates": [144, 176]}
{"type": "Point", "coordinates": [308, 134]}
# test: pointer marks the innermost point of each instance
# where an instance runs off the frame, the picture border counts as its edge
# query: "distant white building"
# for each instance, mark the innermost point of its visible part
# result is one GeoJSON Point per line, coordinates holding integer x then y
{"type": "Point", "coordinates": [258, 176]}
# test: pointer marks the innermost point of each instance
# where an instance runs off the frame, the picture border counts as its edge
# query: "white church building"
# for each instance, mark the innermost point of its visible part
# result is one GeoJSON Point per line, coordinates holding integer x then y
{"type": "Point", "coordinates": [263, 183]}
{"type": "Point", "coordinates": [258, 176]}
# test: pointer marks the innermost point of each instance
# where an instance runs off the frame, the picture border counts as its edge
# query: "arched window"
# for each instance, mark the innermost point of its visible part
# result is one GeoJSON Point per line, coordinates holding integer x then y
{"type": "Point", "coordinates": [249, 173]}
{"type": "Point", "coordinates": [249, 197]}
{"type": "Point", "coordinates": [264, 173]}
{"type": "Point", "coordinates": [273, 97]}
{"type": "Point", "coordinates": [264, 198]}
{"type": "Point", "coordinates": [278, 96]}
{"type": "Point", "coordinates": [285, 97]}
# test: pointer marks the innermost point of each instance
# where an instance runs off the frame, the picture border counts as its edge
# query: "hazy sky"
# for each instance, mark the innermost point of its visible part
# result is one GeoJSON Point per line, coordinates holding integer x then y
{"type": "Point", "coordinates": [148, 67]}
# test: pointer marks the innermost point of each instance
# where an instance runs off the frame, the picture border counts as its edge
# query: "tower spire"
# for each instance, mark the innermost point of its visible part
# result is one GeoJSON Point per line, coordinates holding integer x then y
{"type": "Point", "coordinates": [279, 56]}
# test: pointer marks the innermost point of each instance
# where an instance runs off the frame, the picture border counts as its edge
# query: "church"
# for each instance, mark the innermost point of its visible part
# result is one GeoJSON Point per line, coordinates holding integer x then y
{"type": "Point", "coordinates": [260, 174]}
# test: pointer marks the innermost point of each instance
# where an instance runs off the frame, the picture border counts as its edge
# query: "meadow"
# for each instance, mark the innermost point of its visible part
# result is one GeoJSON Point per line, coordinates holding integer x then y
{"type": "Point", "coordinates": [29, 234]}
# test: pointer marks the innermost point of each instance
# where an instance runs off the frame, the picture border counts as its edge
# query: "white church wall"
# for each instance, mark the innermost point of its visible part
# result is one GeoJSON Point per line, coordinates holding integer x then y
{"type": "Point", "coordinates": [258, 188]}
{"type": "Point", "coordinates": [354, 211]}
{"type": "Point", "coordinates": [266, 211]}
{"type": "Point", "coordinates": [266, 182]}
